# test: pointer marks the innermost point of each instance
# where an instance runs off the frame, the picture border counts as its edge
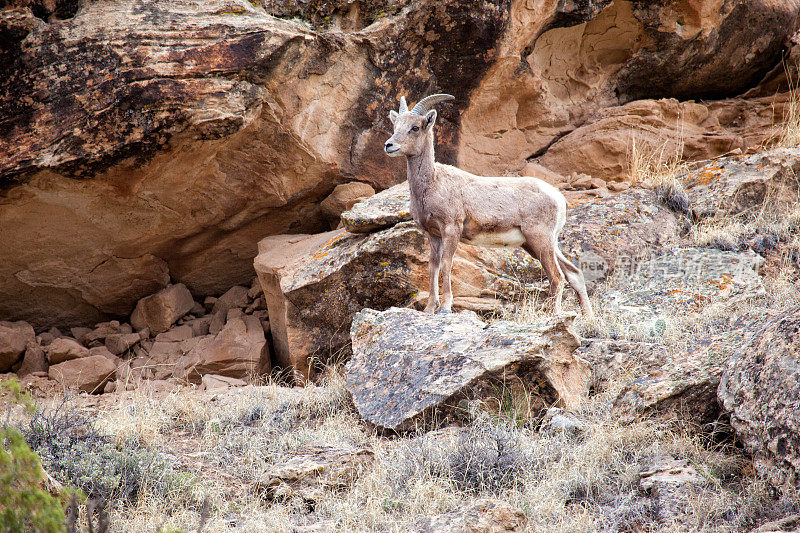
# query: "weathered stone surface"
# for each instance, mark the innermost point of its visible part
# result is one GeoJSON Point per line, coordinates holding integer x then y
{"type": "Point", "coordinates": [553, 74]}
{"type": "Point", "coordinates": [161, 310]}
{"type": "Point", "coordinates": [481, 516]}
{"type": "Point", "coordinates": [314, 285]}
{"type": "Point", "coordinates": [238, 351]}
{"type": "Point", "coordinates": [64, 349]}
{"type": "Point", "coordinates": [344, 197]}
{"type": "Point", "coordinates": [15, 337]}
{"type": "Point", "coordinates": [382, 210]}
{"type": "Point", "coordinates": [34, 360]}
{"type": "Point", "coordinates": [760, 388]}
{"type": "Point", "coordinates": [408, 365]}
{"type": "Point", "coordinates": [615, 233]}
{"type": "Point", "coordinates": [236, 296]}
{"type": "Point", "coordinates": [679, 283]}
{"type": "Point", "coordinates": [603, 146]}
{"type": "Point", "coordinates": [88, 374]}
{"type": "Point", "coordinates": [119, 343]}
{"type": "Point", "coordinates": [738, 184]}
{"type": "Point", "coordinates": [179, 333]}
{"type": "Point", "coordinates": [672, 484]}
{"type": "Point", "coordinates": [311, 470]}
{"type": "Point", "coordinates": [213, 382]}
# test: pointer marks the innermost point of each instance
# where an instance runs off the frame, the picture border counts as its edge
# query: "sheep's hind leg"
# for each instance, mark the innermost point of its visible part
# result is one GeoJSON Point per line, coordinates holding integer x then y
{"type": "Point", "coordinates": [540, 246]}
{"type": "Point", "coordinates": [434, 265]}
{"type": "Point", "coordinates": [576, 280]}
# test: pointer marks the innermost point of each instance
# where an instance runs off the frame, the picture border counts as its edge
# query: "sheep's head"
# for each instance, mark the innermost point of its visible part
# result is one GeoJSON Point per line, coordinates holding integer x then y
{"type": "Point", "coordinates": [411, 128]}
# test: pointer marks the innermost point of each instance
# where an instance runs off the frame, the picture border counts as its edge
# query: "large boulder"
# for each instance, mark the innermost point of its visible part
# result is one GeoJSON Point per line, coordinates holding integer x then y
{"type": "Point", "coordinates": [410, 368]}
{"type": "Point", "coordinates": [196, 128]}
{"type": "Point", "coordinates": [161, 310]}
{"type": "Point", "coordinates": [614, 234]}
{"type": "Point", "coordinates": [649, 301]}
{"type": "Point", "coordinates": [15, 337]}
{"type": "Point", "coordinates": [760, 388]}
{"type": "Point", "coordinates": [737, 185]}
{"type": "Point", "coordinates": [88, 374]}
{"type": "Point", "coordinates": [315, 284]}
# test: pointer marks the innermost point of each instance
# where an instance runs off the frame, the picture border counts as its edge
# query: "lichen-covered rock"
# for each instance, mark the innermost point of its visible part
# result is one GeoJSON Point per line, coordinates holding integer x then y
{"type": "Point", "coordinates": [158, 312]}
{"type": "Point", "coordinates": [681, 282]}
{"type": "Point", "coordinates": [735, 185]}
{"type": "Point", "coordinates": [481, 516]}
{"type": "Point", "coordinates": [615, 233]}
{"type": "Point", "coordinates": [760, 388]}
{"type": "Point", "coordinates": [88, 374]}
{"type": "Point", "coordinates": [315, 284]}
{"type": "Point", "coordinates": [15, 337]}
{"type": "Point", "coordinates": [309, 472]}
{"type": "Point", "coordinates": [410, 367]}
{"type": "Point", "coordinates": [382, 210]}
{"type": "Point", "coordinates": [677, 285]}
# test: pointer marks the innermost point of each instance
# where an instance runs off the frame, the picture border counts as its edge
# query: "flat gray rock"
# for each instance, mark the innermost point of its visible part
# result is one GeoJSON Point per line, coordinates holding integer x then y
{"type": "Point", "coordinates": [409, 367]}
{"type": "Point", "coordinates": [385, 209]}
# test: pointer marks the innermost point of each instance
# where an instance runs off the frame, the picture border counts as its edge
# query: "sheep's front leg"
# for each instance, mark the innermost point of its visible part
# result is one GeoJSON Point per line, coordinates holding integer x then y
{"type": "Point", "coordinates": [450, 240]}
{"type": "Point", "coordinates": [434, 264]}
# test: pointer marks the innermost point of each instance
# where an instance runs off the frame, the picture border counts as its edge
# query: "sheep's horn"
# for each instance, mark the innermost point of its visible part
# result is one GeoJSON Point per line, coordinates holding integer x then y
{"type": "Point", "coordinates": [426, 103]}
{"type": "Point", "coordinates": [403, 105]}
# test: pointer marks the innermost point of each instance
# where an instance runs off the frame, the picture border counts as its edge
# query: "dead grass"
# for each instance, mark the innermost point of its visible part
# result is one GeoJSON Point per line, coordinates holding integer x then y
{"type": "Point", "coordinates": [789, 131]}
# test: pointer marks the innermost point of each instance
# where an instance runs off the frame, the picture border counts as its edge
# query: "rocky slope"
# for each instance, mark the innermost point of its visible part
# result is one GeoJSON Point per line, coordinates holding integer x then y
{"type": "Point", "coordinates": [145, 142]}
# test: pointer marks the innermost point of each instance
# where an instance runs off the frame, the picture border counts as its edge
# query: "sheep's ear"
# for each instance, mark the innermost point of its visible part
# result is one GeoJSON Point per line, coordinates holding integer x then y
{"type": "Point", "coordinates": [393, 115]}
{"type": "Point", "coordinates": [430, 119]}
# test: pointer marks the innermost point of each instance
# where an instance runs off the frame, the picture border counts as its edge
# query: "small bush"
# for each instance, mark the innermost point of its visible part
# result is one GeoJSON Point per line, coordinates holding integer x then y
{"type": "Point", "coordinates": [486, 457]}
{"type": "Point", "coordinates": [76, 453]}
{"type": "Point", "coordinates": [24, 505]}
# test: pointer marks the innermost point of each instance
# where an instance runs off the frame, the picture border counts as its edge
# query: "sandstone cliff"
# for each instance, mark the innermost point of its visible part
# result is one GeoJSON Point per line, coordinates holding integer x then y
{"type": "Point", "coordinates": [145, 142]}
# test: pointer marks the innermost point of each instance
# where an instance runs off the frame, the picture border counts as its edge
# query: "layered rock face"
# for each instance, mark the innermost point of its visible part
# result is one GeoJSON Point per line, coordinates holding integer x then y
{"type": "Point", "coordinates": [144, 142]}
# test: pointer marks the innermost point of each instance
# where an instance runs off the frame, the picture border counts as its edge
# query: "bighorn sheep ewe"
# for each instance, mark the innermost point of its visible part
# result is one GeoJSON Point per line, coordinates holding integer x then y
{"type": "Point", "coordinates": [449, 205]}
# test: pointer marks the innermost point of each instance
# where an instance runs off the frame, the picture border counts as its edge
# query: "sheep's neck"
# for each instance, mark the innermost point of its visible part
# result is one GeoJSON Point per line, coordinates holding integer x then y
{"type": "Point", "coordinates": [420, 168]}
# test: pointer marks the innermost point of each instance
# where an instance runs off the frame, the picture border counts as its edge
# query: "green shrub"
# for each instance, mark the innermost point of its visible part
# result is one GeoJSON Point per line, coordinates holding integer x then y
{"type": "Point", "coordinates": [24, 505]}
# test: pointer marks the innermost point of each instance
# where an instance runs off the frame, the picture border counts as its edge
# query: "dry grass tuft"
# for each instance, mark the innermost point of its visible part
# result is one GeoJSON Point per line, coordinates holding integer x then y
{"type": "Point", "coordinates": [658, 166]}
{"type": "Point", "coordinates": [789, 132]}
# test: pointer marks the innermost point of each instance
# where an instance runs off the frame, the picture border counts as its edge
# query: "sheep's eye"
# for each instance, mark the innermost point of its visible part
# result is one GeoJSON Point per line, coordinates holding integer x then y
{"type": "Point", "coordinates": [415, 128]}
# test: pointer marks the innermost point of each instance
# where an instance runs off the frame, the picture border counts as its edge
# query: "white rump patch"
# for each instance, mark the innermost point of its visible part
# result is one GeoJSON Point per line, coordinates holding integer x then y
{"type": "Point", "coordinates": [501, 239]}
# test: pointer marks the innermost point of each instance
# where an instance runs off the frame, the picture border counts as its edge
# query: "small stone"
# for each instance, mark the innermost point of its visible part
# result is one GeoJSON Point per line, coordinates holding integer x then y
{"type": "Point", "coordinates": [119, 343]}
{"type": "Point", "coordinates": [209, 302]}
{"type": "Point", "coordinates": [255, 289]}
{"type": "Point", "coordinates": [236, 296]}
{"type": "Point", "coordinates": [199, 326]}
{"type": "Point", "coordinates": [79, 332]}
{"type": "Point", "coordinates": [15, 337]}
{"type": "Point", "coordinates": [34, 361]}
{"type": "Point", "coordinates": [64, 349]}
{"type": "Point", "coordinates": [88, 374]}
{"type": "Point", "coordinates": [217, 323]}
{"type": "Point", "coordinates": [105, 352]}
{"type": "Point", "coordinates": [162, 309]}
{"type": "Point", "coordinates": [179, 333]}
{"type": "Point", "coordinates": [618, 186]}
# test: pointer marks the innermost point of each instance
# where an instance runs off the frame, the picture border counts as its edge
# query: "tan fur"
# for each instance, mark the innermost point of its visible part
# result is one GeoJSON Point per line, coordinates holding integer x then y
{"type": "Point", "coordinates": [450, 205]}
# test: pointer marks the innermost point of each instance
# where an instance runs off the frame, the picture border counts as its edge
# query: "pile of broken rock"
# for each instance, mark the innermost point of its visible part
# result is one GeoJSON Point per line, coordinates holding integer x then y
{"type": "Point", "coordinates": [170, 338]}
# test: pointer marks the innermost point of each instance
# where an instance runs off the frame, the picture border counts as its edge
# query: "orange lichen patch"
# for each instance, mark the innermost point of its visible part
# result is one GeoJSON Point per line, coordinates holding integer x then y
{"type": "Point", "coordinates": [723, 282]}
{"type": "Point", "coordinates": [325, 248]}
{"type": "Point", "coordinates": [705, 176]}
